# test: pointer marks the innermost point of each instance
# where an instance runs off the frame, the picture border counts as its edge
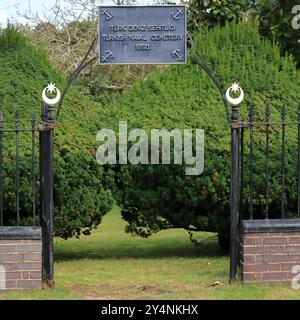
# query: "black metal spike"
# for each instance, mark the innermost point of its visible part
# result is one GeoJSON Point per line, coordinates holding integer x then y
{"type": "Point", "coordinates": [17, 168]}
{"type": "Point", "coordinates": [298, 165]}
{"type": "Point", "coordinates": [251, 112]}
{"type": "Point", "coordinates": [1, 119]}
{"type": "Point", "coordinates": [283, 114]}
{"type": "Point", "coordinates": [267, 114]}
{"type": "Point", "coordinates": [33, 179]}
{"type": "Point", "coordinates": [1, 169]}
{"type": "Point", "coordinates": [251, 118]}
{"type": "Point", "coordinates": [17, 119]}
{"type": "Point", "coordinates": [33, 118]}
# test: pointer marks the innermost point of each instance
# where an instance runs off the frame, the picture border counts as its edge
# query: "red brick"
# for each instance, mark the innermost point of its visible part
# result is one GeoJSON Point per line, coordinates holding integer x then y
{"type": "Point", "coordinates": [290, 249]}
{"type": "Point", "coordinates": [259, 241]}
{"type": "Point", "coordinates": [7, 248]}
{"type": "Point", "coordinates": [35, 242]}
{"type": "Point", "coordinates": [255, 267]}
{"type": "Point", "coordinates": [294, 258]}
{"type": "Point", "coordinates": [249, 277]}
{"type": "Point", "coordinates": [293, 240]}
{"type": "Point", "coordinates": [11, 284]}
{"type": "Point", "coordinates": [274, 267]}
{"type": "Point", "coordinates": [287, 266]}
{"type": "Point", "coordinates": [248, 242]}
{"type": "Point", "coordinates": [273, 283]}
{"type": "Point", "coordinates": [36, 275]}
{"type": "Point", "coordinates": [255, 250]}
{"type": "Point", "coordinates": [292, 234]}
{"type": "Point", "coordinates": [249, 258]}
{"type": "Point", "coordinates": [259, 258]}
{"type": "Point", "coordinates": [275, 249]}
{"type": "Point", "coordinates": [32, 266]}
{"type": "Point", "coordinates": [275, 241]}
{"type": "Point", "coordinates": [286, 283]}
{"type": "Point", "coordinates": [252, 277]}
{"type": "Point", "coordinates": [9, 266]}
{"type": "Point", "coordinates": [33, 256]}
{"type": "Point", "coordinates": [5, 257]}
{"type": "Point", "coordinates": [259, 276]}
{"type": "Point", "coordinates": [9, 242]}
{"type": "Point", "coordinates": [13, 275]}
{"type": "Point", "coordinates": [29, 284]}
{"type": "Point", "coordinates": [291, 276]}
{"type": "Point", "coordinates": [274, 276]}
{"type": "Point", "coordinates": [276, 258]}
{"type": "Point", "coordinates": [29, 248]}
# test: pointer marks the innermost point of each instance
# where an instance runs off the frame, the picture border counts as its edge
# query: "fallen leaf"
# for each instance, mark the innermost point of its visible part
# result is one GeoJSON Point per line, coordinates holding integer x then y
{"type": "Point", "coordinates": [216, 283]}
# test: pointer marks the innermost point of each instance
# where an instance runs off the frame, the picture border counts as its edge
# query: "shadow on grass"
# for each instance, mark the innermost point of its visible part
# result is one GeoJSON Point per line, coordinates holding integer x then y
{"type": "Point", "coordinates": [207, 249]}
{"type": "Point", "coordinates": [110, 242]}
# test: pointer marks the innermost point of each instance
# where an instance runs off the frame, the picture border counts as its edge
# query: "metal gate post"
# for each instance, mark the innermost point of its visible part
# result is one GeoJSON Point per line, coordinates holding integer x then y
{"type": "Point", "coordinates": [234, 193]}
{"type": "Point", "coordinates": [46, 186]}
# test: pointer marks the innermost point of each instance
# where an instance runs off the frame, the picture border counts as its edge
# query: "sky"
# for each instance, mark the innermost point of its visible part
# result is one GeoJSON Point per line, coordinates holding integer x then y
{"type": "Point", "coordinates": [9, 8]}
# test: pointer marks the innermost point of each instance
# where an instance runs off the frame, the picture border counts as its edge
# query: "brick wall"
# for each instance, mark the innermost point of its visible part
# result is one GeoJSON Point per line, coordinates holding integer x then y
{"type": "Point", "coordinates": [269, 253]}
{"type": "Point", "coordinates": [20, 262]}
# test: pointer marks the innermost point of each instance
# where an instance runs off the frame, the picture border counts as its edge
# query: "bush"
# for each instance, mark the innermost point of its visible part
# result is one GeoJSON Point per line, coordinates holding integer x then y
{"type": "Point", "coordinates": [81, 197]}
{"type": "Point", "coordinates": [159, 197]}
{"type": "Point", "coordinates": [276, 18]}
{"type": "Point", "coordinates": [215, 12]}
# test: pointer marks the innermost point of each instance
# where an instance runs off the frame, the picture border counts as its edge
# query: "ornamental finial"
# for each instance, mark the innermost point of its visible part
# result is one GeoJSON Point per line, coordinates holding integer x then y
{"type": "Point", "coordinates": [235, 87]}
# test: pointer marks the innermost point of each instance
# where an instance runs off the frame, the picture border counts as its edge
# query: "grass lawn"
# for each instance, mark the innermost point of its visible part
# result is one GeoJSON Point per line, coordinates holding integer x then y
{"type": "Point", "coordinates": [111, 264]}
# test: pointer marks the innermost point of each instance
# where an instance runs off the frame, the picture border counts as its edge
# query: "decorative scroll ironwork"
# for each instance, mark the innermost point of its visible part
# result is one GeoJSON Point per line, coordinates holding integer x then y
{"type": "Point", "coordinates": [201, 62]}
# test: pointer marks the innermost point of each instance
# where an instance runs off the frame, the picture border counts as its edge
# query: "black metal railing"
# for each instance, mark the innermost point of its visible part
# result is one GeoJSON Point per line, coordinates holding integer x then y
{"type": "Point", "coordinates": [36, 176]}
{"type": "Point", "coordinates": [258, 191]}
{"type": "Point", "coordinates": [6, 136]}
{"type": "Point", "coordinates": [247, 162]}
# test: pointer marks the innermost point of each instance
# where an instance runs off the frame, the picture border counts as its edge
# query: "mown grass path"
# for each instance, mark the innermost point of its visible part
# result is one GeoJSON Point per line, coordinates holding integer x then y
{"type": "Point", "coordinates": [111, 264]}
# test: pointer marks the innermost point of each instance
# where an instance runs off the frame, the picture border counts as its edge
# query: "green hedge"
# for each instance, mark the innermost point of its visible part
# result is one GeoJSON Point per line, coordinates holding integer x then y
{"type": "Point", "coordinates": [81, 197]}
{"type": "Point", "coordinates": [158, 197]}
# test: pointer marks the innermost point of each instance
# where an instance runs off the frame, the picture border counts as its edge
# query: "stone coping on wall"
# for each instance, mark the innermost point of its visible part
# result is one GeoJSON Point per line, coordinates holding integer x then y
{"type": "Point", "coordinates": [20, 233]}
{"type": "Point", "coordinates": [270, 225]}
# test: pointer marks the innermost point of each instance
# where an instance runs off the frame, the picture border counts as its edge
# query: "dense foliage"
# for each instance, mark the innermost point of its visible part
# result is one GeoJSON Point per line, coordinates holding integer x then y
{"type": "Point", "coordinates": [276, 22]}
{"type": "Point", "coordinates": [279, 20]}
{"type": "Point", "coordinates": [158, 197]}
{"type": "Point", "coordinates": [215, 12]}
{"type": "Point", "coordinates": [81, 198]}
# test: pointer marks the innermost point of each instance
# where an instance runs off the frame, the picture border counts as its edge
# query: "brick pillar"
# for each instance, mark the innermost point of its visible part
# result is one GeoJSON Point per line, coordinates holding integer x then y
{"type": "Point", "coordinates": [20, 258]}
{"type": "Point", "coordinates": [269, 250]}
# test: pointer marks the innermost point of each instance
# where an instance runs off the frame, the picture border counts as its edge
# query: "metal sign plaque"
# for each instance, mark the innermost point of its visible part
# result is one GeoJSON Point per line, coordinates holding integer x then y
{"type": "Point", "coordinates": [142, 34]}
